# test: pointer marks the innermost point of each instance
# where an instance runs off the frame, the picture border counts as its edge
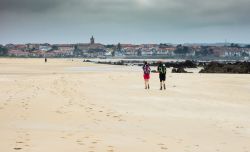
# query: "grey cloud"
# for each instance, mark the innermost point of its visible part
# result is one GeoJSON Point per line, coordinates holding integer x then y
{"type": "Point", "coordinates": [167, 12]}
{"type": "Point", "coordinates": [127, 15]}
{"type": "Point", "coordinates": [162, 9]}
{"type": "Point", "coordinates": [28, 5]}
{"type": "Point", "coordinates": [65, 5]}
{"type": "Point", "coordinates": [213, 11]}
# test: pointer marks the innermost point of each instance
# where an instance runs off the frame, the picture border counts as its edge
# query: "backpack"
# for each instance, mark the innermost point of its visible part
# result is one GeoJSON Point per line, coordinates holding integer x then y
{"type": "Point", "coordinates": [146, 69]}
{"type": "Point", "coordinates": [162, 69]}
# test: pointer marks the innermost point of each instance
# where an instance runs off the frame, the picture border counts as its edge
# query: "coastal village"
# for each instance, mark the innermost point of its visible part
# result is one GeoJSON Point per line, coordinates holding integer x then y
{"type": "Point", "coordinates": [98, 50]}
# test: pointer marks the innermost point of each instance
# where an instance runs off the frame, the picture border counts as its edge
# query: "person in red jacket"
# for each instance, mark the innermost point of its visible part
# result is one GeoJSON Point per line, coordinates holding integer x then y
{"type": "Point", "coordinates": [146, 74]}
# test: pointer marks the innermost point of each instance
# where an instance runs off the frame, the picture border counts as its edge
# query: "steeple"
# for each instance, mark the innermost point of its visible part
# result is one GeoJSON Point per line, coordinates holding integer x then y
{"type": "Point", "coordinates": [92, 40]}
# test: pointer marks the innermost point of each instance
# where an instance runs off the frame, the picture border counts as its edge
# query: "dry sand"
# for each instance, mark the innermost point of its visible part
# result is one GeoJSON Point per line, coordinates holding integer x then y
{"type": "Point", "coordinates": [71, 106]}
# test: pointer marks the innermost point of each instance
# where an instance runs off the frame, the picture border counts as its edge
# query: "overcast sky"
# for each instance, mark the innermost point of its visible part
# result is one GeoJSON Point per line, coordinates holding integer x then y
{"type": "Point", "coordinates": [125, 21]}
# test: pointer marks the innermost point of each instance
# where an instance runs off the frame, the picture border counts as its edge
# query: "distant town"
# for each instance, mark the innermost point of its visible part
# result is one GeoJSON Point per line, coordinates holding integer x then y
{"type": "Point", "coordinates": [97, 50]}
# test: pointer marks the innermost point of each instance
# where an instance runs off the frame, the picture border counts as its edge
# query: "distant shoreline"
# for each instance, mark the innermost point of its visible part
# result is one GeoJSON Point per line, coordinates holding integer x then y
{"type": "Point", "coordinates": [232, 67]}
{"type": "Point", "coordinates": [178, 65]}
{"type": "Point", "coordinates": [139, 58]}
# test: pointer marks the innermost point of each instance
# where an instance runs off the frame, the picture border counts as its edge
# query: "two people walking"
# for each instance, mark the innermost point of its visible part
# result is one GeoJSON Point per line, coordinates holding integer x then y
{"type": "Point", "coordinates": [161, 69]}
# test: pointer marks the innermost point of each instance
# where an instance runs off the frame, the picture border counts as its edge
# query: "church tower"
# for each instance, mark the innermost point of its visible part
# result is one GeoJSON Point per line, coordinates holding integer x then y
{"type": "Point", "coordinates": [92, 40]}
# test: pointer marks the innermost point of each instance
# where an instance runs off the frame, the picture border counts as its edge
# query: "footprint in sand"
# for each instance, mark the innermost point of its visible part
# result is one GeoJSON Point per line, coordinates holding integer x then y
{"type": "Point", "coordinates": [110, 149]}
{"type": "Point", "coordinates": [19, 145]}
{"type": "Point", "coordinates": [22, 140]}
{"type": "Point", "coordinates": [59, 112]}
{"type": "Point", "coordinates": [80, 142]}
{"type": "Point", "coordinates": [89, 141]}
{"type": "Point", "coordinates": [91, 148]}
{"type": "Point", "coordinates": [162, 146]}
{"type": "Point", "coordinates": [196, 146]}
{"type": "Point", "coordinates": [81, 105]}
{"type": "Point", "coordinates": [179, 141]}
{"type": "Point", "coordinates": [19, 142]}
{"type": "Point", "coordinates": [245, 149]}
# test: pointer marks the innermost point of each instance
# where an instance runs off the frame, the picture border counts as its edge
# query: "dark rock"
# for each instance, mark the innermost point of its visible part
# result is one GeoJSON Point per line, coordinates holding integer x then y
{"type": "Point", "coordinates": [179, 70]}
{"type": "Point", "coordinates": [238, 67]}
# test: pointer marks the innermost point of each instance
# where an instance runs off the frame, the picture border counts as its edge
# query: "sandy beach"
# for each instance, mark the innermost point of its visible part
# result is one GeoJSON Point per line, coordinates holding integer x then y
{"type": "Point", "coordinates": [66, 105]}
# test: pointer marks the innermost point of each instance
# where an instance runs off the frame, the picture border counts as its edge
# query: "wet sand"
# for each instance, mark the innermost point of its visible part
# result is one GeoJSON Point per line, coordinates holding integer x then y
{"type": "Point", "coordinates": [66, 105]}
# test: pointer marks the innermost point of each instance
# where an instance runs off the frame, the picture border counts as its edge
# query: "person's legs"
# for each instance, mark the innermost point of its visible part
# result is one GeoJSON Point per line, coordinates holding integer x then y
{"type": "Point", "coordinates": [164, 85]}
{"type": "Point", "coordinates": [160, 85]}
{"type": "Point", "coordinates": [145, 81]}
{"type": "Point", "coordinates": [148, 77]}
{"type": "Point", "coordinates": [148, 83]}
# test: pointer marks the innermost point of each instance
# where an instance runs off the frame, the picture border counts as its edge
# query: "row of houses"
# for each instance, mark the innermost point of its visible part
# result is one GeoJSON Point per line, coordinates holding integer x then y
{"type": "Point", "coordinates": [231, 52]}
{"type": "Point", "coordinates": [121, 50]}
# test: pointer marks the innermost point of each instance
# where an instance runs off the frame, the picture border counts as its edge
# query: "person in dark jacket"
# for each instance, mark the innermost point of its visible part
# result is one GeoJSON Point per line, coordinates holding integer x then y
{"type": "Point", "coordinates": [162, 75]}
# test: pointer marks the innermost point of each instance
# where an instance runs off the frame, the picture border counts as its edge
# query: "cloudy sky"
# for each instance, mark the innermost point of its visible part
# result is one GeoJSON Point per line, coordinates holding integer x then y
{"type": "Point", "coordinates": [125, 21]}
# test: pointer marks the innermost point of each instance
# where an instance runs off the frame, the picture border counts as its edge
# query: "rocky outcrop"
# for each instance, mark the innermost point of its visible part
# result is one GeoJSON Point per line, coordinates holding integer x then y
{"type": "Point", "coordinates": [185, 64]}
{"type": "Point", "coordinates": [179, 70]}
{"type": "Point", "coordinates": [238, 67]}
